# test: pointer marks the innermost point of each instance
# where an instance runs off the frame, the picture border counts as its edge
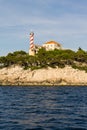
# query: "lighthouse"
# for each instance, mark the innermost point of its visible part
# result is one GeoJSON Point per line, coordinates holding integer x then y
{"type": "Point", "coordinates": [32, 46]}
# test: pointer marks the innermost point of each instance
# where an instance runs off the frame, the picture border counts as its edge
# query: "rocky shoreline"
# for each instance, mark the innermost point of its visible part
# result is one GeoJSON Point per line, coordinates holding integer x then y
{"type": "Point", "coordinates": [16, 75]}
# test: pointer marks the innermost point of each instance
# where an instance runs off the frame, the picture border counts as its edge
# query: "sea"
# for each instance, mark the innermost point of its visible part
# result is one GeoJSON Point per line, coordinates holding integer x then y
{"type": "Point", "coordinates": [43, 108]}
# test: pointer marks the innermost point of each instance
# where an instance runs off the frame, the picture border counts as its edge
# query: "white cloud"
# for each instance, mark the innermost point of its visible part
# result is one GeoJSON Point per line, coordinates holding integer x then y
{"type": "Point", "coordinates": [63, 21]}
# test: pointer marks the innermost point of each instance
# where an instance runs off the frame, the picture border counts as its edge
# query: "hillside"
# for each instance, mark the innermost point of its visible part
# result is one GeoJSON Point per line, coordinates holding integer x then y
{"type": "Point", "coordinates": [44, 59]}
{"type": "Point", "coordinates": [15, 75]}
{"type": "Point", "coordinates": [56, 67]}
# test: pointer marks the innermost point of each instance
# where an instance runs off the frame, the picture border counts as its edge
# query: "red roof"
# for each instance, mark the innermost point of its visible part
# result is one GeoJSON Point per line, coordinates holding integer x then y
{"type": "Point", "coordinates": [53, 42]}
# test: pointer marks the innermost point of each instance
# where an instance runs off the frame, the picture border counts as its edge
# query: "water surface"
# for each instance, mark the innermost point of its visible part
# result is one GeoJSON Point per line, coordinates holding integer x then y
{"type": "Point", "coordinates": [43, 108]}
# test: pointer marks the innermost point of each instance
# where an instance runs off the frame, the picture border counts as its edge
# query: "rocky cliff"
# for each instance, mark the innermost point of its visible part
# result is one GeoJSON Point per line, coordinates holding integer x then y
{"type": "Point", "coordinates": [16, 75]}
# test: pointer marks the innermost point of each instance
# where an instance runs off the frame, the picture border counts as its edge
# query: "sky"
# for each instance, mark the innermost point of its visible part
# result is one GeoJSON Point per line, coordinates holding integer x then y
{"type": "Point", "coordinates": [64, 21]}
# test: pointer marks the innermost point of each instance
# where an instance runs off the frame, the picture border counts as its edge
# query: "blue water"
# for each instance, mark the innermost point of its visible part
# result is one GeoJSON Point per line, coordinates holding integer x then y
{"type": "Point", "coordinates": [43, 108]}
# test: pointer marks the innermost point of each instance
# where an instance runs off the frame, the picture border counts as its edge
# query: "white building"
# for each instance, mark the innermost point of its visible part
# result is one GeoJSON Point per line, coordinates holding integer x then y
{"type": "Point", "coordinates": [52, 45]}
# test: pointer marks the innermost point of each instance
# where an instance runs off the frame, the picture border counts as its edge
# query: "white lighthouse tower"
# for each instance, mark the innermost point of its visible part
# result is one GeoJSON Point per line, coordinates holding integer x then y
{"type": "Point", "coordinates": [32, 46]}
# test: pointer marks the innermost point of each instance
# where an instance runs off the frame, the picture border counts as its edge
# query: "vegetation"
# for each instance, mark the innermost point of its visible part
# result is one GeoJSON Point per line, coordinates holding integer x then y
{"type": "Point", "coordinates": [45, 59]}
